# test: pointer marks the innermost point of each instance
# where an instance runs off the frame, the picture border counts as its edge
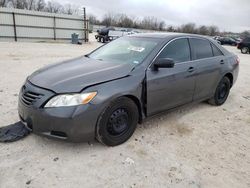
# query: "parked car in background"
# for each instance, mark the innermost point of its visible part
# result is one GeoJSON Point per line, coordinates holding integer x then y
{"type": "Point", "coordinates": [227, 41]}
{"type": "Point", "coordinates": [216, 39]}
{"type": "Point", "coordinates": [237, 39]}
{"type": "Point", "coordinates": [244, 45]}
{"type": "Point", "coordinates": [105, 94]}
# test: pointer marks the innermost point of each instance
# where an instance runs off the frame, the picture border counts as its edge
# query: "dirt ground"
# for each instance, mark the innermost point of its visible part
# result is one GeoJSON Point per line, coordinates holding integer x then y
{"type": "Point", "coordinates": [196, 146]}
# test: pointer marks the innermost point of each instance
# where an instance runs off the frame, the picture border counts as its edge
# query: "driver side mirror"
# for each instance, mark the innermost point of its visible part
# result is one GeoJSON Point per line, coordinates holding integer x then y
{"type": "Point", "coordinates": [164, 63]}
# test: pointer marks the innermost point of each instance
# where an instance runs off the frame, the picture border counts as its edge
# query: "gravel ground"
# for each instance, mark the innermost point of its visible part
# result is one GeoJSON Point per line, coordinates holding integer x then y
{"type": "Point", "coordinates": [196, 146]}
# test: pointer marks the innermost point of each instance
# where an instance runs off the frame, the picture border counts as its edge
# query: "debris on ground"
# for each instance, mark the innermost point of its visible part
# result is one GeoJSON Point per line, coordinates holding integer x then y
{"type": "Point", "coordinates": [28, 182]}
{"type": "Point", "coordinates": [55, 159]}
{"type": "Point", "coordinates": [129, 161]}
{"type": "Point", "coordinates": [13, 132]}
{"type": "Point", "coordinates": [246, 97]}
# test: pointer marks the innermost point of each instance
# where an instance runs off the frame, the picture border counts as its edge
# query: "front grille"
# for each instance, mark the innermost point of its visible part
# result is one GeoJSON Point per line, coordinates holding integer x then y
{"type": "Point", "coordinates": [29, 97]}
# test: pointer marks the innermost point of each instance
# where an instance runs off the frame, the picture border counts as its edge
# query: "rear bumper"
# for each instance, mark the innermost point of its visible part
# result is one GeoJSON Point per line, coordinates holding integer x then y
{"type": "Point", "coordinates": [74, 124]}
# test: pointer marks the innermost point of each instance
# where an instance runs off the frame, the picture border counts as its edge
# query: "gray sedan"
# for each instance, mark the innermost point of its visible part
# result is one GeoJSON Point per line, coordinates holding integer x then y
{"type": "Point", "coordinates": [105, 94]}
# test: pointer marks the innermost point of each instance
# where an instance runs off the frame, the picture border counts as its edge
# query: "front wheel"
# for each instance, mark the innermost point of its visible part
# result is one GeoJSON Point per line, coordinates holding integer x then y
{"type": "Point", "coordinates": [244, 50]}
{"type": "Point", "coordinates": [221, 93]}
{"type": "Point", "coordinates": [118, 122]}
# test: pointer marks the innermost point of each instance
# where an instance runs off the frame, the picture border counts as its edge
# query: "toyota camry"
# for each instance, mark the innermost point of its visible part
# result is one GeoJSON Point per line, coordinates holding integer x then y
{"type": "Point", "coordinates": [106, 93]}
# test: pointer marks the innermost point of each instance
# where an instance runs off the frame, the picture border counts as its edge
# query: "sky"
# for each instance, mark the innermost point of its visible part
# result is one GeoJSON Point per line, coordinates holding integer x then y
{"type": "Point", "coordinates": [228, 15]}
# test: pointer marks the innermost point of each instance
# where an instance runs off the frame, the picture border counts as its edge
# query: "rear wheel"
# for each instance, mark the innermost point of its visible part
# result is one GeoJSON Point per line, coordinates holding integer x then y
{"type": "Point", "coordinates": [221, 93]}
{"type": "Point", "coordinates": [244, 50]}
{"type": "Point", "coordinates": [118, 122]}
{"type": "Point", "coordinates": [99, 39]}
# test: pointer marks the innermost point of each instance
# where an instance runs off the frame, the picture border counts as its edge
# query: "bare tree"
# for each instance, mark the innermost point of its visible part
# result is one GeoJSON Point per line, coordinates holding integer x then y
{"type": "Point", "coordinates": [150, 23]}
{"type": "Point", "coordinates": [30, 4]}
{"type": "Point", "coordinates": [136, 23]}
{"type": "Point", "coordinates": [109, 19]}
{"type": "Point", "coordinates": [162, 25]}
{"type": "Point", "coordinates": [40, 5]}
{"type": "Point", "coordinates": [188, 28]}
{"type": "Point", "coordinates": [70, 9]}
{"type": "Point", "coordinates": [3, 3]}
{"type": "Point", "coordinates": [245, 34]}
{"type": "Point", "coordinates": [213, 30]}
{"type": "Point", "coordinates": [20, 4]}
{"type": "Point", "coordinates": [123, 20]}
{"type": "Point", "coordinates": [203, 30]}
{"type": "Point", "coordinates": [54, 7]}
{"type": "Point", "coordinates": [171, 28]}
{"type": "Point", "coordinates": [93, 19]}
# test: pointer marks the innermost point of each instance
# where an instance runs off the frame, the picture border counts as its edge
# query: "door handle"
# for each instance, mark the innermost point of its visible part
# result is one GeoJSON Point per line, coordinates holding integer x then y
{"type": "Point", "coordinates": [191, 69]}
{"type": "Point", "coordinates": [222, 62]}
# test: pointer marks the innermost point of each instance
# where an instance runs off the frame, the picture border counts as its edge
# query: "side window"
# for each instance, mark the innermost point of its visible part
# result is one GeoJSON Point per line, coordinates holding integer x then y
{"type": "Point", "coordinates": [201, 48]}
{"type": "Point", "coordinates": [216, 51]}
{"type": "Point", "coordinates": [178, 50]}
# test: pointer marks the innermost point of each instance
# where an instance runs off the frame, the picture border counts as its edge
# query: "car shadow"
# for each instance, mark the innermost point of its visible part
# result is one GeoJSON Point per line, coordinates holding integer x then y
{"type": "Point", "coordinates": [168, 117]}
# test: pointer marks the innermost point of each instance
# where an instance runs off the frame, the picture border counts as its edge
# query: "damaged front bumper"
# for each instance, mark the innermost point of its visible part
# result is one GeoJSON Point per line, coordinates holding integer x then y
{"type": "Point", "coordinates": [75, 124]}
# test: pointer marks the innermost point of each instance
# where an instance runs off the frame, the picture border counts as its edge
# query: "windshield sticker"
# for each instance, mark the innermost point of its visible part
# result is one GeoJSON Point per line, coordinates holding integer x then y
{"type": "Point", "coordinates": [136, 49]}
{"type": "Point", "coordinates": [136, 62]}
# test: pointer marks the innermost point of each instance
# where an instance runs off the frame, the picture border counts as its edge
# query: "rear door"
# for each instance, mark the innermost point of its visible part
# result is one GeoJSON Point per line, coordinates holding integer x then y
{"type": "Point", "coordinates": [208, 60]}
{"type": "Point", "coordinates": [171, 87]}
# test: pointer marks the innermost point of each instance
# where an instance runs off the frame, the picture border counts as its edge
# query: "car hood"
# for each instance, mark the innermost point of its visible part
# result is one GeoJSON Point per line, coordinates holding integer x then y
{"type": "Point", "coordinates": [77, 74]}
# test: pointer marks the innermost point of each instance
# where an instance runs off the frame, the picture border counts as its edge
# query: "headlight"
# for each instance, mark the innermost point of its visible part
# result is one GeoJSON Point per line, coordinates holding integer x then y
{"type": "Point", "coordinates": [70, 99]}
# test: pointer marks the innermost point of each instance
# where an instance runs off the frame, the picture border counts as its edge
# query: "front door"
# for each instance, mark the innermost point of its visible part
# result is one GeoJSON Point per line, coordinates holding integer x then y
{"type": "Point", "coordinates": [171, 87]}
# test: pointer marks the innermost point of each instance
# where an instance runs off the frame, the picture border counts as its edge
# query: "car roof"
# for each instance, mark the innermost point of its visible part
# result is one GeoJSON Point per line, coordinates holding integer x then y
{"type": "Point", "coordinates": [170, 36]}
{"type": "Point", "coordinates": [165, 35]}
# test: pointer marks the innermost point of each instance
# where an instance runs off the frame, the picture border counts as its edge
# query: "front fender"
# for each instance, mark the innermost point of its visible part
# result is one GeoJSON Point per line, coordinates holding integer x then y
{"type": "Point", "coordinates": [131, 85]}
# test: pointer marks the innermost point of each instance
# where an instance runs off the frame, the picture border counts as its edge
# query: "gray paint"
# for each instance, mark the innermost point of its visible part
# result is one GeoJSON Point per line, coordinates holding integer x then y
{"type": "Point", "coordinates": [152, 90]}
{"type": "Point", "coordinates": [74, 76]}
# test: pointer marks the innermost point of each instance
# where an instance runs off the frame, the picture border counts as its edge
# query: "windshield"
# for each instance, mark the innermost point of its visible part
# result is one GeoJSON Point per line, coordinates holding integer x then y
{"type": "Point", "coordinates": [125, 50]}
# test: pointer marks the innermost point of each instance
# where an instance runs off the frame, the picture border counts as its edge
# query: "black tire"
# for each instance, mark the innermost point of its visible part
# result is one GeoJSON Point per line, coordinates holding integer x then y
{"type": "Point", "coordinates": [221, 93]}
{"type": "Point", "coordinates": [245, 50]}
{"type": "Point", "coordinates": [99, 39]}
{"type": "Point", "coordinates": [118, 122]}
{"type": "Point", "coordinates": [103, 40]}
